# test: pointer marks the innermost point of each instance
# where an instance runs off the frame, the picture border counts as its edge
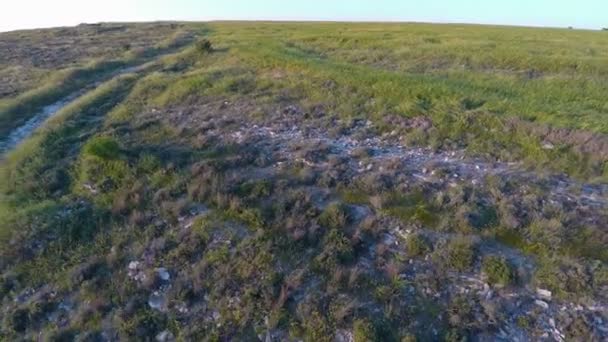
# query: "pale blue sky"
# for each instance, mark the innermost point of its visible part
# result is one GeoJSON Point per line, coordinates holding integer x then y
{"type": "Point", "coordinates": [44, 13]}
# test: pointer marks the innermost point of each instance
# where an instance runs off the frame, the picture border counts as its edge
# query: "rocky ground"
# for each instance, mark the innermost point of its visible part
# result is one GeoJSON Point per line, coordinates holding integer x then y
{"type": "Point", "coordinates": [327, 153]}
{"type": "Point", "coordinates": [202, 197]}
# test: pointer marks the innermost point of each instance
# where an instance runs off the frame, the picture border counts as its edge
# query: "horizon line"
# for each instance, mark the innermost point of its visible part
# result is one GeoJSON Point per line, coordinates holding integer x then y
{"type": "Point", "coordinates": [303, 20]}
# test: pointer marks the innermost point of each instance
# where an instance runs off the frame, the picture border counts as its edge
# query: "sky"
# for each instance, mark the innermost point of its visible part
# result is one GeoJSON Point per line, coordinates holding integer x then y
{"type": "Point", "coordinates": [22, 14]}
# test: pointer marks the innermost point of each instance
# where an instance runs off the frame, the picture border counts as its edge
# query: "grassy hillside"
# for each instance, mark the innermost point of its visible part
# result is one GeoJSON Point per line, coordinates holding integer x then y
{"type": "Point", "coordinates": [39, 67]}
{"type": "Point", "coordinates": [315, 181]}
{"type": "Point", "coordinates": [546, 75]}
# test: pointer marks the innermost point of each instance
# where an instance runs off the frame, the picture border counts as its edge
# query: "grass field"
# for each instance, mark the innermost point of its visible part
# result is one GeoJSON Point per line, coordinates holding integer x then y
{"type": "Point", "coordinates": [314, 181]}
{"type": "Point", "coordinates": [450, 73]}
{"type": "Point", "coordinates": [550, 76]}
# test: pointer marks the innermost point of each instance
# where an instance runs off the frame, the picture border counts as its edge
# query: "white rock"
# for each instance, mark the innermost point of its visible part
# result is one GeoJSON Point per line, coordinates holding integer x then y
{"type": "Point", "coordinates": [156, 301]}
{"type": "Point", "coordinates": [343, 336]}
{"type": "Point", "coordinates": [544, 293]}
{"type": "Point", "coordinates": [165, 336]}
{"type": "Point", "coordinates": [133, 265]}
{"type": "Point", "coordinates": [163, 273]}
{"type": "Point", "coordinates": [542, 304]}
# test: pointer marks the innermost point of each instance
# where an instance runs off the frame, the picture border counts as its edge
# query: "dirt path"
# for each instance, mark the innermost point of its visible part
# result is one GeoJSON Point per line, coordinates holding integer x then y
{"type": "Point", "coordinates": [23, 132]}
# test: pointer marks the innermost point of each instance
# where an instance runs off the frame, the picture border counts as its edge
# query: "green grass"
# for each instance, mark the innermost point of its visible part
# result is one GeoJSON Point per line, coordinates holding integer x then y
{"type": "Point", "coordinates": [335, 216]}
{"type": "Point", "coordinates": [466, 63]}
{"type": "Point", "coordinates": [469, 79]}
{"type": "Point", "coordinates": [498, 270]}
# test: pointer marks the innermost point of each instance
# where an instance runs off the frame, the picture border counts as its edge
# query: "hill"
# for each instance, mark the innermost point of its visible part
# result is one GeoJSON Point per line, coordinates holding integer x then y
{"type": "Point", "coordinates": [315, 181]}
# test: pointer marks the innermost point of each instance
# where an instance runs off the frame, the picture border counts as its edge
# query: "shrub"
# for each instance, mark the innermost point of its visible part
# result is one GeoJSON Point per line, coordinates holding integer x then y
{"type": "Point", "coordinates": [498, 270]}
{"type": "Point", "coordinates": [255, 189]}
{"type": "Point", "coordinates": [483, 217]}
{"type": "Point", "coordinates": [337, 249]}
{"type": "Point", "coordinates": [460, 312]}
{"type": "Point", "coordinates": [565, 277]}
{"type": "Point", "coordinates": [337, 243]}
{"type": "Point", "coordinates": [580, 330]}
{"type": "Point", "coordinates": [460, 254]}
{"type": "Point", "coordinates": [411, 207]}
{"type": "Point", "coordinates": [316, 328]}
{"type": "Point", "coordinates": [417, 245]}
{"type": "Point", "coordinates": [143, 325]}
{"type": "Point", "coordinates": [409, 338]}
{"type": "Point", "coordinates": [103, 147]}
{"type": "Point", "coordinates": [335, 216]}
{"type": "Point", "coordinates": [363, 331]}
{"type": "Point", "coordinates": [204, 46]}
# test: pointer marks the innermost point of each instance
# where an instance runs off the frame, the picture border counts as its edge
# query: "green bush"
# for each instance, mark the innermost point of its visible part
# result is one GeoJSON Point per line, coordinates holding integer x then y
{"type": "Point", "coordinates": [335, 216]}
{"type": "Point", "coordinates": [417, 245]}
{"type": "Point", "coordinates": [460, 254]}
{"type": "Point", "coordinates": [143, 325]}
{"type": "Point", "coordinates": [567, 278]}
{"type": "Point", "coordinates": [103, 147]}
{"type": "Point", "coordinates": [498, 270]}
{"type": "Point", "coordinates": [337, 249]}
{"type": "Point", "coordinates": [204, 46]}
{"type": "Point", "coordinates": [316, 328]}
{"type": "Point", "coordinates": [409, 338]}
{"type": "Point", "coordinates": [363, 331]}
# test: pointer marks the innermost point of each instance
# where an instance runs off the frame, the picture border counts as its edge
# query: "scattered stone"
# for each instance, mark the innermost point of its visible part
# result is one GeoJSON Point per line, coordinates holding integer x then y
{"type": "Point", "coordinates": [542, 304]}
{"type": "Point", "coordinates": [548, 146]}
{"type": "Point", "coordinates": [157, 301]}
{"type": "Point", "coordinates": [343, 335]}
{"type": "Point", "coordinates": [182, 308]}
{"type": "Point", "coordinates": [543, 293]}
{"type": "Point", "coordinates": [163, 274]}
{"type": "Point", "coordinates": [133, 265]}
{"type": "Point", "coordinates": [165, 336]}
{"type": "Point", "coordinates": [135, 272]}
{"type": "Point", "coordinates": [90, 188]}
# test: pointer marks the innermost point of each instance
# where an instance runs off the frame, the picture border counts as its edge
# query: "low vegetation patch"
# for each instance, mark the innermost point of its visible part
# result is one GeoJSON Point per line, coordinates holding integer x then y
{"type": "Point", "coordinates": [498, 270]}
